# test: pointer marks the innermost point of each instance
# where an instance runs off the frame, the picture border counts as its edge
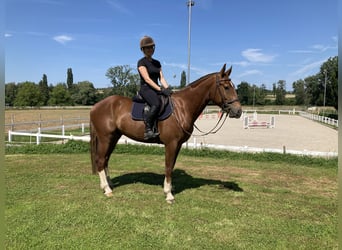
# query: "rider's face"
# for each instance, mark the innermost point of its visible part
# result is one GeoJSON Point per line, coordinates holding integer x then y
{"type": "Point", "coordinates": [149, 50]}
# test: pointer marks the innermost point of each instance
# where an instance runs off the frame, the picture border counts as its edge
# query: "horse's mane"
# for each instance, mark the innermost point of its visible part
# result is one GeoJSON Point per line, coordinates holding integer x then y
{"type": "Point", "coordinates": [198, 81]}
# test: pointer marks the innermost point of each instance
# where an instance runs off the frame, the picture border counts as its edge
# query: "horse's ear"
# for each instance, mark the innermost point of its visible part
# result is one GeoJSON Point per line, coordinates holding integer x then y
{"type": "Point", "coordinates": [229, 70]}
{"type": "Point", "coordinates": [223, 70]}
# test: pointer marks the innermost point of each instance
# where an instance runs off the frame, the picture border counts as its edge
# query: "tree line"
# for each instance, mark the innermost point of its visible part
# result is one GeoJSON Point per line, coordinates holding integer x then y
{"type": "Point", "coordinates": [30, 94]}
{"type": "Point", "coordinates": [62, 94]}
{"type": "Point", "coordinates": [320, 89]}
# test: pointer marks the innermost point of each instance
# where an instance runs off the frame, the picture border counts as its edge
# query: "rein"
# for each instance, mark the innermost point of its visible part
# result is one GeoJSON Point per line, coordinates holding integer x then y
{"type": "Point", "coordinates": [214, 130]}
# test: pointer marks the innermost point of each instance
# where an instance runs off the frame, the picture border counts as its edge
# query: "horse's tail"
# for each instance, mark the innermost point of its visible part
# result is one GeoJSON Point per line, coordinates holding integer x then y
{"type": "Point", "coordinates": [93, 148]}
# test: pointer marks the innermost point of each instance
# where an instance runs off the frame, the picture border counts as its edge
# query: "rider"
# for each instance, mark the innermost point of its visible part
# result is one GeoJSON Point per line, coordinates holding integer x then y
{"type": "Point", "coordinates": [150, 71]}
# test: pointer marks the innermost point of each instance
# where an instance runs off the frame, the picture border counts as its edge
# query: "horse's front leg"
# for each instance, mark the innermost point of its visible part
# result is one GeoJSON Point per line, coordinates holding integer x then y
{"type": "Point", "coordinates": [104, 183]}
{"type": "Point", "coordinates": [109, 180]}
{"type": "Point", "coordinates": [168, 190]}
{"type": "Point", "coordinates": [171, 153]}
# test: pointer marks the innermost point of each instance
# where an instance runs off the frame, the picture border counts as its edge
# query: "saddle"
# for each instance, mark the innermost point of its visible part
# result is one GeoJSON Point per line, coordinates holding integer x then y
{"type": "Point", "coordinates": [139, 105]}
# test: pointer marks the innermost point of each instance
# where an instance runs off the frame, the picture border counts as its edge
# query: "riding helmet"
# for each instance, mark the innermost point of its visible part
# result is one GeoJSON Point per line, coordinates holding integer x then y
{"type": "Point", "coordinates": [146, 41]}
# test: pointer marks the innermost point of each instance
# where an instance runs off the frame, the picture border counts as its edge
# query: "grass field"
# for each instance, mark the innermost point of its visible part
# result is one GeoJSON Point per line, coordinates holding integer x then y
{"type": "Point", "coordinates": [232, 201]}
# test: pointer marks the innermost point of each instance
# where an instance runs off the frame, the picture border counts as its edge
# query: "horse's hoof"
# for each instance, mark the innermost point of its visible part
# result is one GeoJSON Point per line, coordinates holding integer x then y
{"type": "Point", "coordinates": [109, 194]}
{"type": "Point", "coordinates": [170, 201]}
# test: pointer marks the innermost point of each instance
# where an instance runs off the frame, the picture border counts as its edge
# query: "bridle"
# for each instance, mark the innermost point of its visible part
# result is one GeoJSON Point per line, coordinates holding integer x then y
{"type": "Point", "coordinates": [225, 103]}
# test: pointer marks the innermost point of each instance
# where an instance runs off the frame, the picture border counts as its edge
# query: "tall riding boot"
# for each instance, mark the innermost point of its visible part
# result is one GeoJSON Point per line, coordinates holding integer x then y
{"type": "Point", "coordinates": [150, 117]}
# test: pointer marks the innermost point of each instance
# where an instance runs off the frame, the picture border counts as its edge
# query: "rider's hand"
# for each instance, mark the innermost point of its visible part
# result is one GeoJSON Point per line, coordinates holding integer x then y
{"type": "Point", "coordinates": [166, 91]}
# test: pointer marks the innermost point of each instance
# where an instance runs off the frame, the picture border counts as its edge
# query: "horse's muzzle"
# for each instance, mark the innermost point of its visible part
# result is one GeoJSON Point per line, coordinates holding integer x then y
{"type": "Point", "coordinates": [234, 110]}
{"type": "Point", "coordinates": [235, 113]}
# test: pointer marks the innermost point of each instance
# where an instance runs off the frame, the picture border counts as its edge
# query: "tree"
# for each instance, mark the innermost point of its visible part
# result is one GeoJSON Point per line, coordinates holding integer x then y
{"type": "Point", "coordinates": [11, 90]}
{"type": "Point", "coordinates": [60, 95]}
{"type": "Point", "coordinates": [28, 95]}
{"type": "Point", "coordinates": [261, 93]}
{"type": "Point", "coordinates": [44, 89]}
{"type": "Point", "coordinates": [85, 93]}
{"type": "Point", "coordinates": [328, 76]}
{"type": "Point", "coordinates": [274, 89]}
{"type": "Point", "coordinates": [312, 89]}
{"type": "Point", "coordinates": [123, 80]}
{"type": "Point", "coordinates": [183, 80]}
{"type": "Point", "coordinates": [244, 93]}
{"type": "Point", "coordinates": [70, 79]}
{"type": "Point", "coordinates": [299, 90]}
{"type": "Point", "coordinates": [280, 92]}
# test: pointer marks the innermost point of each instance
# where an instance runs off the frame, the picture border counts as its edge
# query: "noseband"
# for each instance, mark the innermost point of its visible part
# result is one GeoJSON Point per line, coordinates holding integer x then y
{"type": "Point", "coordinates": [225, 102]}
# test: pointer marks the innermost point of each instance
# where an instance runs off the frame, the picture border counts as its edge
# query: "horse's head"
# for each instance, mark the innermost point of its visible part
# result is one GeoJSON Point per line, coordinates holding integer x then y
{"type": "Point", "coordinates": [225, 95]}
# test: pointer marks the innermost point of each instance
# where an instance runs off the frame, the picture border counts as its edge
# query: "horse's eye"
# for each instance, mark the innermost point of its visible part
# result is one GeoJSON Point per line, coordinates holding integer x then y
{"type": "Point", "coordinates": [226, 87]}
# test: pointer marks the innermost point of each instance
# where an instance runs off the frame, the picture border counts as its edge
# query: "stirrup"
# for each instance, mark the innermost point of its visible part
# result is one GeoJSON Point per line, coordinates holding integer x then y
{"type": "Point", "coordinates": [149, 134]}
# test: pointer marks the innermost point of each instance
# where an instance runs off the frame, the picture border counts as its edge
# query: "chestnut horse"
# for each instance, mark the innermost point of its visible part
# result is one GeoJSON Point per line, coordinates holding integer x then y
{"type": "Point", "coordinates": [111, 118]}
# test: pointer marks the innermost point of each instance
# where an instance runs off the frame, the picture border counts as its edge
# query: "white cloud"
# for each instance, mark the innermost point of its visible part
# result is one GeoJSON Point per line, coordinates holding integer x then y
{"type": "Point", "coordinates": [63, 39]}
{"type": "Point", "coordinates": [250, 72]}
{"type": "Point", "coordinates": [319, 47]}
{"type": "Point", "coordinates": [242, 63]}
{"type": "Point", "coordinates": [308, 68]}
{"type": "Point", "coordinates": [255, 55]}
{"type": "Point", "coordinates": [323, 48]}
{"type": "Point", "coordinates": [8, 35]}
{"type": "Point", "coordinates": [301, 51]}
{"type": "Point", "coordinates": [118, 6]}
{"type": "Point", "coordinates": [176, 65]}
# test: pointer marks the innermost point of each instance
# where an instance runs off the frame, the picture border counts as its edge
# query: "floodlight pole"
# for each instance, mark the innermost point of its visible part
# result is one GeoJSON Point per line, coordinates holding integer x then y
{"type": "Point", "coordinates": [189, 4]}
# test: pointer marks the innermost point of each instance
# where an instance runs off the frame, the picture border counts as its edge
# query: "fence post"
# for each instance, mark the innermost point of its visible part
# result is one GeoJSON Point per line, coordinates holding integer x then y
{"type": "Point", "coordinates": [12, 122]}
{"type": "Point", "coordinates": [82, 128]}
{"type": "Point", "coordinates": [63, 130]}
{"type": "Point", "coordinates": [38, 137]}
{"type": "Point", "coordinates": [9, 136]}
{"type": "Point", "coordinates": [40, 120]}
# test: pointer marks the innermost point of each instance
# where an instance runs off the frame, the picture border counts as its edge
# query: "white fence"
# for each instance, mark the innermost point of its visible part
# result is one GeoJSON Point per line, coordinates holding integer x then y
{"type": "Point", "coordinates": [194, 144]}
{"type": "Point", "coordinates": [38, 135]}
{"type": "Point", "coordinates": [318, 118]}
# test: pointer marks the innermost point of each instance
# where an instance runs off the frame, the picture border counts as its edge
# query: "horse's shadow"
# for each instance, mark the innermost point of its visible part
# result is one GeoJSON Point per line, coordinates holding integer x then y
{"type": "Point", "coordinates": [180, 179]}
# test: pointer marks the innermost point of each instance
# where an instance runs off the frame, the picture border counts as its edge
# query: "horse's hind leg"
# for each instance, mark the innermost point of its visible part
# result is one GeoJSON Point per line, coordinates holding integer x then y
{"type": "Point", "coordinates": [104, 150]}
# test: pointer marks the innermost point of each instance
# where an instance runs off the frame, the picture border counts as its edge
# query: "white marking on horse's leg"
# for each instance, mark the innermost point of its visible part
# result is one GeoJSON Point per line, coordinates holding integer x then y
{"type": "Point", "coordinates": [104, 183]}
{"type": "Point", "coordinates": [110, 183]}
{"type": "Point", "coordinates": [167, 191]}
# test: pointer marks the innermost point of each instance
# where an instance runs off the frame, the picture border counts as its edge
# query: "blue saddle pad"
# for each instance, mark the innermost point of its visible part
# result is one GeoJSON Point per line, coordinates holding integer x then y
{"type": "Point", "coordinates": [138, 111]}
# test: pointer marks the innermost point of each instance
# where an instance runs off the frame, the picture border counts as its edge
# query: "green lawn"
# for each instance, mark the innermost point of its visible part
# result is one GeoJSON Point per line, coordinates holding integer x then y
{"type": "Point", "coordinates": [53, 202]}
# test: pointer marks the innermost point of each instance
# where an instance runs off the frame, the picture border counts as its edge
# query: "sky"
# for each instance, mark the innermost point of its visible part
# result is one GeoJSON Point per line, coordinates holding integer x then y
{"type": "Point", "coordinates": [264, 41]}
